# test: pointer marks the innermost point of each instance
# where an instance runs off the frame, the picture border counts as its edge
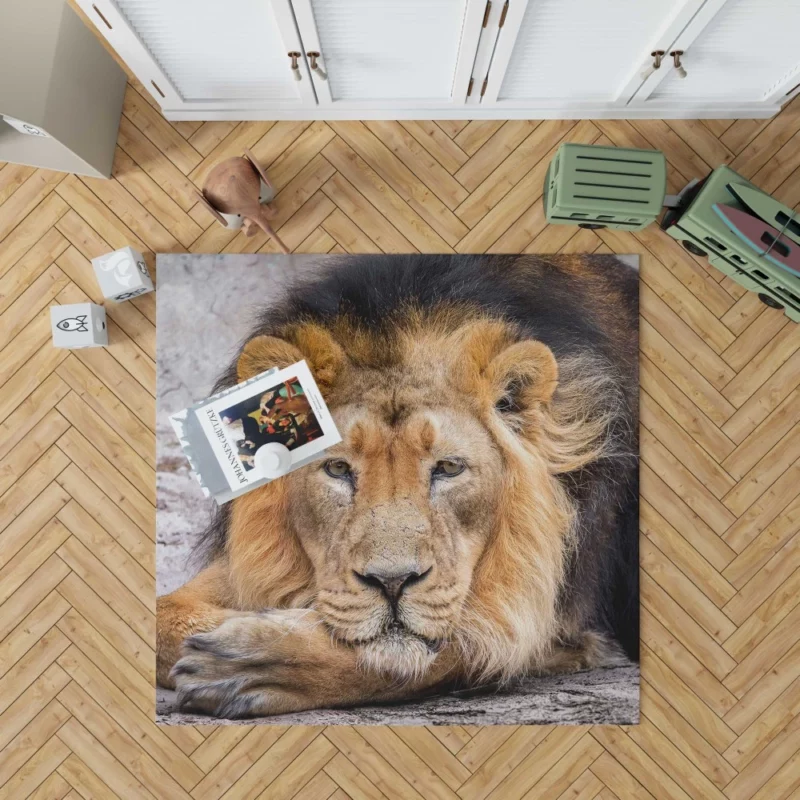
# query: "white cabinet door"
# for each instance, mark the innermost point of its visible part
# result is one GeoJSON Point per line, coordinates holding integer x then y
{"type": "Point", "coordinates": [573, 55]}
{"type": "Point", "coordinates": [734, 52]}
{"type": "Point", "coordinates": [390, 54]}
{"type": "Point", "coordinates": [206, 54]}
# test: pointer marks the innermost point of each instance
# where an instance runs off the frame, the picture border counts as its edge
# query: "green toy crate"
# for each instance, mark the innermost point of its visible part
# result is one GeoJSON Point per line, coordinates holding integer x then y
{"type": "Point", "coordinates": [702, 232]}
{"type": "Point", "coordinates": [605, 187]}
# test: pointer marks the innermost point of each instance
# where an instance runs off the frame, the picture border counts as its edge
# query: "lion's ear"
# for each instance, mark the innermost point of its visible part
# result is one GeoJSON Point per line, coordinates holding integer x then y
{"type": "Point", "coordinates": [522, 376]}
{"type": "Point", "coordinates": [310, 342]}
{"type": "Point", "coordinates": [263, 353]}
{"type": "Point", "coordinates": [513, 376]}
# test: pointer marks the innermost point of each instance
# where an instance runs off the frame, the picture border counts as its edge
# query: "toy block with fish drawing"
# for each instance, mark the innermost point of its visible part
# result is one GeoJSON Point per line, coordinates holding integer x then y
{"type": "Point", "coordinates": [79, 325]}
{"type": "Point", "coordinates": [122, 274]}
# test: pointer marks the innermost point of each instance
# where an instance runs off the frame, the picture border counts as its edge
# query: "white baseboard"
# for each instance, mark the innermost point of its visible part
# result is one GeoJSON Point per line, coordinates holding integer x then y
{"type": "Point", "coordinates": [750, 111]}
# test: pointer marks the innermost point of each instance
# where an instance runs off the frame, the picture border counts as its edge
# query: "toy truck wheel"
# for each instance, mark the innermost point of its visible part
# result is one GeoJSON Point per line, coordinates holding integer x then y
{"type": "Point", "coordinates": [592, 226]}
{"type": "Point", "coordinates": [769, 301]}
{"type": "Point", "coordinates": [693, 248]}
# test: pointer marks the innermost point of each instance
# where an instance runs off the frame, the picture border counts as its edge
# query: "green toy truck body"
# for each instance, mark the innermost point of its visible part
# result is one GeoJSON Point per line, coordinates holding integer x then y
{"type": "Point", "coordinates": [598, 187]}
{"type": "Point", "coordinates": [695, 223]}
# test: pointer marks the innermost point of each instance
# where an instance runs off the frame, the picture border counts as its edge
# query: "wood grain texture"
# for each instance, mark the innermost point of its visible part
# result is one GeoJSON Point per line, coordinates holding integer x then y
{"type": "Point", "coordinates": [720, 471]}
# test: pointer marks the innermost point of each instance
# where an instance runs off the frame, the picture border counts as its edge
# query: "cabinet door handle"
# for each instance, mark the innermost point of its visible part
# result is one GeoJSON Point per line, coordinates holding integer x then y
{"type": "Point", "coordinates": [315, 68]}
{"type": "Point", "coordinates": [657, 56]}
{"type": "Point", "coordinates": [676, 60]}
{"type": "Point", "coordinates": [294, 55]}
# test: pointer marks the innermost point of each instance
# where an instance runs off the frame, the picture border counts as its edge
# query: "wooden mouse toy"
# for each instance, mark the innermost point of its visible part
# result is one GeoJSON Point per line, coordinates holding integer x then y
{"type": "Point", "coordinates": [234, 195]}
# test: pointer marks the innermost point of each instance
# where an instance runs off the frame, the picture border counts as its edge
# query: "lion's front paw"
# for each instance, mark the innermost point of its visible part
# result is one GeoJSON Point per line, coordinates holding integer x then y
{"type": "Point", "coordinates": [271, 663]}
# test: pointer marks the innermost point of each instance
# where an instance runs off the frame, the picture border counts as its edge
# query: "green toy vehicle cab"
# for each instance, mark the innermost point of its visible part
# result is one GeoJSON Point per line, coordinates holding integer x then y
{"type": "Point", "coordinates": [703, 233]}
{"type": "Point", "coordinates": [605, 187]}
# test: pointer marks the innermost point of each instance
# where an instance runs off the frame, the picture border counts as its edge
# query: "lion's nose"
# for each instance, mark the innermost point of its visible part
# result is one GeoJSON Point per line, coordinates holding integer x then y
{"type": "Point", "coordinates": [391, 583]}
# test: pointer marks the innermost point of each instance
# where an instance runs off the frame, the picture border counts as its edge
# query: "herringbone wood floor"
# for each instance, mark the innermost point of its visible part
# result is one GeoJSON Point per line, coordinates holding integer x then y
{"type": "Point", "coordinates": [720, 470]}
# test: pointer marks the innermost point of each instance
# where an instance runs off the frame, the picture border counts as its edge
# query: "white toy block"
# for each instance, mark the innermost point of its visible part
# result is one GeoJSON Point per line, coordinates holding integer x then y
{"type": "Point", "coordinates": [122, 274]}
{"type": "Point", "coordinates": [79, 325]}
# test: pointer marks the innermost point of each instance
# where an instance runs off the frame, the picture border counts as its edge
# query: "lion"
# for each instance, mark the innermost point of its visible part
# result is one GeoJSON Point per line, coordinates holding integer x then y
{"type": "Point", "coordinates": [477, 523]}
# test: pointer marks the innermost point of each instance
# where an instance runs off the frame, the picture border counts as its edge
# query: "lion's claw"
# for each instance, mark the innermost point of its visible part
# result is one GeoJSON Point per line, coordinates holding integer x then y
{"type": "Point", "coordinates": [253, 665]}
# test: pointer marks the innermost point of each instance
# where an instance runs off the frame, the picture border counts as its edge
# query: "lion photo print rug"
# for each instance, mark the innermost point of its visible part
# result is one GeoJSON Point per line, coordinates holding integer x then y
{"type": "Point", "coordinates": [467, 553]}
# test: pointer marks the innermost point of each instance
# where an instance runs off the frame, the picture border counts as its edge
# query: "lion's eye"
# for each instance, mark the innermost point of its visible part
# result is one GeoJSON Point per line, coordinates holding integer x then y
{"type": "Point", "coordinates": [449, 468]}
{"type": "Point", "coordinates": [337, 468]}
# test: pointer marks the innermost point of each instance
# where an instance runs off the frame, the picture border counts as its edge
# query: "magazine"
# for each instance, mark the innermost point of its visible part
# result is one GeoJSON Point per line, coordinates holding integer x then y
{"type": "Point", "coordinates": [221, 434]}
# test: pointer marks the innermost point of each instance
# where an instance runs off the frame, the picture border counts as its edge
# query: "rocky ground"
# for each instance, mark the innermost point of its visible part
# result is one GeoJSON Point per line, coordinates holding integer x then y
{"type": "Point", "coordinates": [600, 696]}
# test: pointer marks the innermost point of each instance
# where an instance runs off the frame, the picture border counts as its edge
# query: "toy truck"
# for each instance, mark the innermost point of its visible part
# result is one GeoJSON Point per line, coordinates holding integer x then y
{"type": "Point", "coordinates": [702, 231]}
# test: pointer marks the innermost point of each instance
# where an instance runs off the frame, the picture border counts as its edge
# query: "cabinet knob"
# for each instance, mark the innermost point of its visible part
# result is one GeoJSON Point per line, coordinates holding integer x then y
{"type": "Point", "coordinates": [294, 55]}
{"type": "Point", "coordinates": [315, 68]}
{"type": "Point", "coordinates": [676, 60]}
{"type": "Point", "coordinates": [657, 56]}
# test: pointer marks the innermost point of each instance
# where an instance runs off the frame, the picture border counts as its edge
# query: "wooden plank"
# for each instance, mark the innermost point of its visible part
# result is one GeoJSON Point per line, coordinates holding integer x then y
{"type": "Point", "coordinates": [239, 760]}
{"type": "Point", "coordinates": [36, 770]}
{"type": "Point", "coordinates": [493, 152]}
{"type": "Point", "coordinates": [686, 414]}
{"type": "Point", "coordinates": [32, 720]}
{"type": "Point", "coordinates": [108, 407]}
{"type": "Point", "coordinates": [105, 223]}
{"type": "Point", "coordinates": [30, 230]}
{"type": "Point", "coordinates": [390, 185]}
{"type": "Point", "coordinates": [533, 150]}
{"type": "Point", "coordinates": [30, 267]}
{"type": "Point", "coordinates": [114, 196]}
{"type": "Point", "coordinates": [109, 443]}
{"type": "Point", "coordinates": [684, 556]}
{"type": "Point", "coordinates": [371, 224]}
{"type": "Point", "coordinates": [159, 131]}
{"type": "Point", "coordinates": [158, 166]}
{"type": "Point", "coordinates": [12, 176]}
{"type": "Point", "coordinates": [292, 159]}
{"type": "Point", "coordinates": [108, 569]}
{"type": "Point", "coordinates": [346, 232]}
{"type": "Point", "coordinates": [93, 760]}
{"type": "Point", "coordinates": [209, 134]}
{"type": "Point", "coordinates": [26, 198]}
{"type": "Point", "coordinates": [476, 133]}
{"type": "Point", "coordinates": [437, 143]}
{"type": "Point", "coordinates": [152, 197]}
{"type": "Point", "coordinates": [122, 638]}
{"type": "Point", "coordinates": [109, 480]}
{"type": "Point", "coordinates": [145, 748]}
{"type": "Point", "coordinates": [32, 628]}
{"type": "Point", "coordinates": [427, 169]}
{"type": "Point", "coordinates": [35, 297]}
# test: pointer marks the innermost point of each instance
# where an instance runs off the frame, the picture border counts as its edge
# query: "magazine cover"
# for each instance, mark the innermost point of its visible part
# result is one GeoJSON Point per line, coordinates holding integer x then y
{"type": "Point", "coordinates": [221, 434]}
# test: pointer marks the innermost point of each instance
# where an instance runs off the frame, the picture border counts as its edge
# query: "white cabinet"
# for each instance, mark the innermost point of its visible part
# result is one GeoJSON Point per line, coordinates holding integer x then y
{"type": "Point", "coordinates": [576, 55]}
{"type": "Point", "coordinates": [404, 53]}
{"type": "Point", "coordinates": [337, 59]}
{"type": "Point", "coordinates": [206, 55]}
{"type": "Point", "coordinates": [739, 51]}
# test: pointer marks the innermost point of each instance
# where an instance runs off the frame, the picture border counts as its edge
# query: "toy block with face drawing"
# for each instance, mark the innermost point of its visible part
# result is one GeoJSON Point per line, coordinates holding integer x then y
{"type": "Point", "coordinates": [79, 325]}
{"type": "Point", "coordinates": [122, 274]}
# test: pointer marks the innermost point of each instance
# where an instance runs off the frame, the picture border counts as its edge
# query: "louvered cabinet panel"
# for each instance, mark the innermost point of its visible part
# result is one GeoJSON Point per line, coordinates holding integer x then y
{"type": "Point", "coordinates": [747, 52]}
{"type": "Point", "coordinates": [384, 52]}
{"type": "Point", "coordinates": [580, 50]}
{"type": "Point", "coordinates": [207, 52]}
{"type": "Point", "coordinates": [436, 59]}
